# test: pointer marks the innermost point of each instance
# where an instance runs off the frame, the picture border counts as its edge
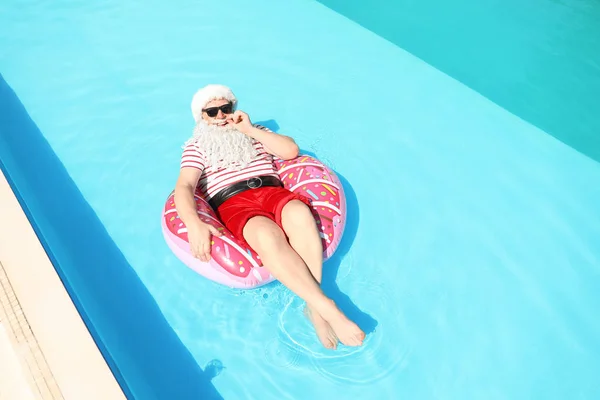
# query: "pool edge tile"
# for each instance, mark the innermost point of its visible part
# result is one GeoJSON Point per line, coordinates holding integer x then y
{"type": "Point", "coordinates": [61, 358]}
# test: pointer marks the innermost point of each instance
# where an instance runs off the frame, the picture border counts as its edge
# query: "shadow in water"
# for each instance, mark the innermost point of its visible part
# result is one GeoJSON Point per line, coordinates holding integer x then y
{"type": "Point", "coordinates": [144, 353]}
{"type": "Point", "coordinates": [332, 265]}
{"type": "Point", "coordinates": [270, 123]}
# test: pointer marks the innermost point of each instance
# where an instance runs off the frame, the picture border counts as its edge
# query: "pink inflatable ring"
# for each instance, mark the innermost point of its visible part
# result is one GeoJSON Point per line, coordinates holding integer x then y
{"type": "Point", "coordinates": [236, 266]}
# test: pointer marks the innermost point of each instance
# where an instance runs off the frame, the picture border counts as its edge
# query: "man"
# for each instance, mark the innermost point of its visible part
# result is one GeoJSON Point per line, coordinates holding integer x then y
{"type": "Point", "coordinates": [227, 158]}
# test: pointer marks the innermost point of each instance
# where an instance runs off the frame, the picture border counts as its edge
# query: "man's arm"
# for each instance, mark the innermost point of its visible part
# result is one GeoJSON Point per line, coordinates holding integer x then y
{"type": "Point", "coordinates": [281, 146]}
{"type": "Point", "coordinates": [199, 233]}
{"type": "Point", "coordinates": [184, 196]}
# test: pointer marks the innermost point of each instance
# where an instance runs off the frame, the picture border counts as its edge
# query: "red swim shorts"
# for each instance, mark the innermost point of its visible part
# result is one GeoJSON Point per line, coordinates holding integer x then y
{"type": "Point", "coordinates": [266, 201]}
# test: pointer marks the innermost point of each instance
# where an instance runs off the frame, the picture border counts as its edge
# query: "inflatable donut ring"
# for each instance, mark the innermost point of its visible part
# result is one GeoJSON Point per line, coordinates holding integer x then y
{"type": "Point", "coordinates": [234, 265]}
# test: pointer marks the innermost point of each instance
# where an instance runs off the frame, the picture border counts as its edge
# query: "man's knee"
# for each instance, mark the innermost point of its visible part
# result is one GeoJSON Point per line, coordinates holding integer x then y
{"type": "Point", "coordinates": [263, 234]}
{"type": "Point", "coordinates": [297, 213]}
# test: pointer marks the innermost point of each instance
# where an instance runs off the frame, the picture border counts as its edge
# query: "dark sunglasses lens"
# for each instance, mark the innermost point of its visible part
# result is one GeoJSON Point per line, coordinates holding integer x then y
{"type": "Point", "coordinates": [212, 112]}
{"type": "Point", "coordinates": [226, 108]}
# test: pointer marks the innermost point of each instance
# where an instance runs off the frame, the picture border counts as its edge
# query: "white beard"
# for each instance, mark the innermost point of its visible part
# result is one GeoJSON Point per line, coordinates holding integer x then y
{"type": "Point", "coordinates": [223, 146]}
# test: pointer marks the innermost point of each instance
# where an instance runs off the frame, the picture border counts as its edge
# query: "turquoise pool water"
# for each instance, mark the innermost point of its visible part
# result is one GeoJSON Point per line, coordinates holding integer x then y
{"type": "Point", "coordinates": [471, 257]}
{"type": "Point", "coordinates": [538, 59]}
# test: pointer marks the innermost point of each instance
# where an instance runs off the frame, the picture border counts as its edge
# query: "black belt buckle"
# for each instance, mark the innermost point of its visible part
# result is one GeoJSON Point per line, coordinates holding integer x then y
{"type": "Point", "coordinates": [254, 183]}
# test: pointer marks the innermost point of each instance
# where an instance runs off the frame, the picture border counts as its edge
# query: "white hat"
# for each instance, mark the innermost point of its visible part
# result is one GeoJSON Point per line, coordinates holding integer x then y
{"type": "Point", "coordinates": [209, 93]}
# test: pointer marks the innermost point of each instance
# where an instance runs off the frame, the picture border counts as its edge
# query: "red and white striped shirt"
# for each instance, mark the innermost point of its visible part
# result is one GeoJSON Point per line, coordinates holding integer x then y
{"type": "Point", "coordinates": [214, 180]}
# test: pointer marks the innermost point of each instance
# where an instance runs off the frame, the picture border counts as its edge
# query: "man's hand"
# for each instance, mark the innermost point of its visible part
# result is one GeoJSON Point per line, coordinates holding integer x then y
{"type": "Point", "coordinates": [281, 146]}
{"type": "Point", "coordinates": [241, 121]}
{"type": "Point", "coordinates": [199, 237]}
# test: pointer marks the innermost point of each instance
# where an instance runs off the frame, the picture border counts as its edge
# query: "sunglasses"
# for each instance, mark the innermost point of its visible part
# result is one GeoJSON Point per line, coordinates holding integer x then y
{"type": "Point", "coordinates": [214, 111]}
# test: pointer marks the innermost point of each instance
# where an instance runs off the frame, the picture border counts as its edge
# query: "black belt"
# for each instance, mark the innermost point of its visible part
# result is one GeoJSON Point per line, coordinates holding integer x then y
{"type": "Point", "coordinates": [237, 188]}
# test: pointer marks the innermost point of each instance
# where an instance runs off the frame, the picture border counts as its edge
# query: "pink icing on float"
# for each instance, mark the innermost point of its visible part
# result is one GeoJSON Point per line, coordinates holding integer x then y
{"type": "Point", "coordinates": [234, 265]}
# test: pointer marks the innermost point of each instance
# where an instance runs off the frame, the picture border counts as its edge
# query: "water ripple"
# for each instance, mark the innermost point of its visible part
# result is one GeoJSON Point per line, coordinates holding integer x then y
{"type": "Point", "coordinates": [376, 359]}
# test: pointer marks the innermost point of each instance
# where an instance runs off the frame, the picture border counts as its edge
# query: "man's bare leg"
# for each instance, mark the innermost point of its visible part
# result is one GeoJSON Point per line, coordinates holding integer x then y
{"type": "Point", "coordinates": [271, 244]}
{"type": "Point", "coordinates": [300, 227]}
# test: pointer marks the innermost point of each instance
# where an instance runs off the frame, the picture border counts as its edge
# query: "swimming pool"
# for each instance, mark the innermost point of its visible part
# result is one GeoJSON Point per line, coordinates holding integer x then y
{"type": "Point", "coordinates": [471, 255]}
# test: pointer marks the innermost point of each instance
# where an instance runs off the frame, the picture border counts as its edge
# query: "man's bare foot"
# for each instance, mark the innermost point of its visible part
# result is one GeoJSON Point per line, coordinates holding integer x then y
{"type": "Point", "coordinates": [347, 331]}
{"type": "Point", "coordinates": [324, 332]}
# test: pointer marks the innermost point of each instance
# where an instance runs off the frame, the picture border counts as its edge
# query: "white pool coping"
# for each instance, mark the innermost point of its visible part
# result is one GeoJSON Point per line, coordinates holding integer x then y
{"type": "Point", "coordinates": [46, 351]}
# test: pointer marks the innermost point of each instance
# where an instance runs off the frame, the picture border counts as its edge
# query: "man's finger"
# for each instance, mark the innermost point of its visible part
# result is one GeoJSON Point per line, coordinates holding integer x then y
{"type": "Point", "coordinates": [206, 249]}
{"type": "Point", "coordinates": [202, 253]}
{"type": "Point", "coordinates": [214, 231]}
